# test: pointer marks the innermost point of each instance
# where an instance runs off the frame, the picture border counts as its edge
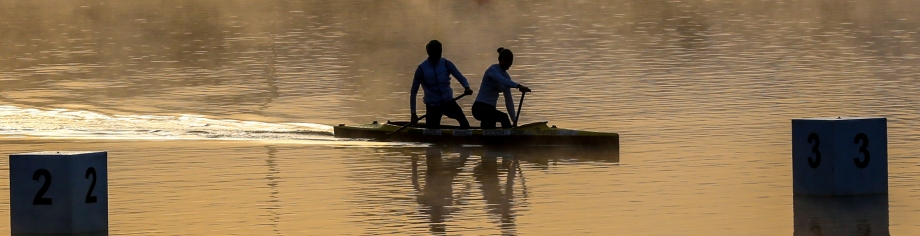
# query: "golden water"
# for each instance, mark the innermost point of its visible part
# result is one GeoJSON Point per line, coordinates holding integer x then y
{"type": "Point", "coordinates": [217, 114]}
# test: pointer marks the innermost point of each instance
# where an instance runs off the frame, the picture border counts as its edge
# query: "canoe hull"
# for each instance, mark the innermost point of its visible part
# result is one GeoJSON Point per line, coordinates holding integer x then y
{"type": "Point", "coordinates": [534, 134]}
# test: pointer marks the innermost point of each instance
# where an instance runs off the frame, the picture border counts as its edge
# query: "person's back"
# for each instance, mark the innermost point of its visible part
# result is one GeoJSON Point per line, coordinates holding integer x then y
{"type": "Point", "coordinates": [494, 81]}
{"type": "Point", "coordinates": [433, 75]}
{"type": "Point", "coordinates": [435, 81]}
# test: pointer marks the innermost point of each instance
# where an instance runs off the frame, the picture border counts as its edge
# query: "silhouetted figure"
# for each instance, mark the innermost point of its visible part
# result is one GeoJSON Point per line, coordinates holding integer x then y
{"type": "Point", "coordinates": [494, 81]}
{"type": "Point", "coordinates": [438, 200]}
{"type": "Point", "coordinates": [433, 75]}
{"type": "Point", "coordinates": [499, 203]}
{"type": "Point", "coordinates": [436, 196]}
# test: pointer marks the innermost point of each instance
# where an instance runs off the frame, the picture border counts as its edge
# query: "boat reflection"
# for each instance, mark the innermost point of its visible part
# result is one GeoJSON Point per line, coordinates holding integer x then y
{"type": "Point", "coordinates": [550, 155]}
{"type": "Point", "coordinates": [846, 215]}
{"type": "Point", "coordinates": [497, 174]}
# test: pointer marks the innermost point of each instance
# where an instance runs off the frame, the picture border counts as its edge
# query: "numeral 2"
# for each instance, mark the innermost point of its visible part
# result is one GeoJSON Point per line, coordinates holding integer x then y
{"type": "Point", "coordinates": [89, 194]}
{"type": "Point", "coordinates": [39, 197]}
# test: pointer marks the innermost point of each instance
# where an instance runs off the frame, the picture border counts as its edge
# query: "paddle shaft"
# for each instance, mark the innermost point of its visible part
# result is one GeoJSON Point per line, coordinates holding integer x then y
{"type": "Point", "coordinates": [520, 104]}
{"type": "Point", "coordinates": [410, 123]}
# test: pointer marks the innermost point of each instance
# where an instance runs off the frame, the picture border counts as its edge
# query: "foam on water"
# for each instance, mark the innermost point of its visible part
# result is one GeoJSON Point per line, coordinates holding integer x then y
{"type": "Point", "coordinates": [64, 123]}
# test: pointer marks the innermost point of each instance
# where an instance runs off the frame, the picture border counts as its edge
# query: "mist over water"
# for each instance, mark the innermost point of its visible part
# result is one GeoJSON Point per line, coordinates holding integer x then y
{"type": "Point", "coordinates": [225, 109]}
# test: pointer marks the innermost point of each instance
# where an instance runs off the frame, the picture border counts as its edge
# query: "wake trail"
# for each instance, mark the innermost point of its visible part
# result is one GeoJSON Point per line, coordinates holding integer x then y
{"type": "Point", "coordinates": [64, 123]}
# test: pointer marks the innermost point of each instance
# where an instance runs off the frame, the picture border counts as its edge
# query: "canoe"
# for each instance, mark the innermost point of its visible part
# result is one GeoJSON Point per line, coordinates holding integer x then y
{"type": "Point", "coordinates": [532, 134]}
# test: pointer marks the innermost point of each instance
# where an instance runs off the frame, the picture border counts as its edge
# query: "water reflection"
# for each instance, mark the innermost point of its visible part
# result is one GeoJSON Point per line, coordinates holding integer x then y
{"type": "Point", "coordinates": [499, 203]}
{"type": "Point", "coordinates": [443, 188]}
{"type": "Point", "coordinates": [272, 176]}
{"type": "Point", "coordinates": [436, 196]}
{"type": "Point", "coordinates": [847, 215]}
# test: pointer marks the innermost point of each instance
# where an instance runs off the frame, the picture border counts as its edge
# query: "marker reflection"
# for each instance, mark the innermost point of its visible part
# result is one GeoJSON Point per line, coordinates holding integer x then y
{"type": "Point", "coordinates": [843, 215]}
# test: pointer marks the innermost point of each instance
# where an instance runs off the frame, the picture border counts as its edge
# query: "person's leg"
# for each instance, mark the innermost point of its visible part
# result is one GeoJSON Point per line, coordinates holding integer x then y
{"type": "Point", "coordinates": [481, 112]}
{"type": "Point", "coordinates": [489, 116]}
{"type": "Point", "coordinates": [487, 124]}
{"type": "Point", "coordinates": [502, 118]}
{"type": "Point", "coordinates": [452, 110]}
{"type": "Point", "coordinates": [433, 117]}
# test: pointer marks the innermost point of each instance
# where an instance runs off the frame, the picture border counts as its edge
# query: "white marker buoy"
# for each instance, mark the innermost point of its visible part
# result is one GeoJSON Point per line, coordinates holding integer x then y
{"type": "Point", "coordinates": [58, 193]}
{"type": "Point", "coordinates": [839, 156]}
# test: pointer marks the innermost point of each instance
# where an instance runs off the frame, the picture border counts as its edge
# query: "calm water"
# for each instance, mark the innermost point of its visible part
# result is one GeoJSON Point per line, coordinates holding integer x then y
{"type": "Point", "coordinates": [217, 114]}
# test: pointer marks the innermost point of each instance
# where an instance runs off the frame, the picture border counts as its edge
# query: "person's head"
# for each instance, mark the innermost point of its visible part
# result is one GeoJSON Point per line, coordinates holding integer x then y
{"type": "Point", "coordinates": [434, 49]}
{"type": "Point", "coordinates": [505, 58]}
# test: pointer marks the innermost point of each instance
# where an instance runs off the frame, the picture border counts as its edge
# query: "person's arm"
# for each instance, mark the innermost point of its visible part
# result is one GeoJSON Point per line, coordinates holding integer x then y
{"type": "Point", "coordinates": [456, 73]}
{"type": "Point", "coordinates": [506, 82]}
{"type": "Point", "coordinates": [416, 81]}
{"type": "Point", "coordinates": [509, 102]}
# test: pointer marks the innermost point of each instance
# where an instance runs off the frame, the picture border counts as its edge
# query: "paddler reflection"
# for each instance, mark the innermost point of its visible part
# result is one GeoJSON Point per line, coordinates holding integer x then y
{"type": "Point", "coordinates": [453, 178]}
{"type": "Point", "coordinates": [498, 202]}
{"type": "Point", "coordinates": [443, 171]}
{"type": "Point", "coordinates": [436, 194]}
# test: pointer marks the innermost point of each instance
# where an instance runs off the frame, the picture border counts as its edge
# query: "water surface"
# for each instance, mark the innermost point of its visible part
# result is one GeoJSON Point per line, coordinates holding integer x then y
{"type": "Point", "coordinates": [217, 115]}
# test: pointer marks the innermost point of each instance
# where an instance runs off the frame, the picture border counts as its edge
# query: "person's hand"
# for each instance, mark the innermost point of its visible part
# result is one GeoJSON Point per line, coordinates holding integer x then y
{"type": "Point", "coordinates": [467, 91]}
{"type": "Point", "coordinates": [414, 118]}
{"type": "Point", "coordinates": [523, 88]}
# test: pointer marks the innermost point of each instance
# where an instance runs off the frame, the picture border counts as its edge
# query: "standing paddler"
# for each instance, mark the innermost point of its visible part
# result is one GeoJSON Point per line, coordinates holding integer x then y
{"type": "Point", "coordinates": [496, 80]}
{"type": "Point", "coordinates": [433, 75]}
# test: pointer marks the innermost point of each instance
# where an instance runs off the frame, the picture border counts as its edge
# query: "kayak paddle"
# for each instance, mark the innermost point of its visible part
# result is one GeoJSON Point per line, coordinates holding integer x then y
{"type": "Point", "coordinates": [385, 136]}
{"type": "Point", "coordinates": [519, 109]}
